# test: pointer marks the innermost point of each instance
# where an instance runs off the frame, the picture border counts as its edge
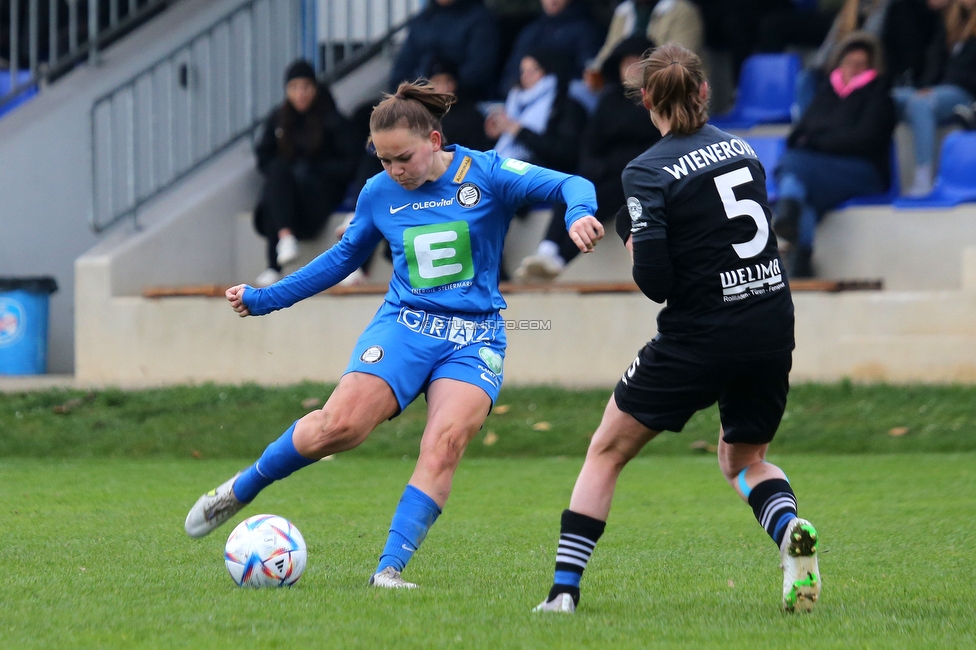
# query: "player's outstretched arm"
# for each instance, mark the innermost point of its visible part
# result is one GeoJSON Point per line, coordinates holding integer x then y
{"type": "Point", "coordinates": [586, 232]}
{"type": "Point", "coordinates": [235, 296]}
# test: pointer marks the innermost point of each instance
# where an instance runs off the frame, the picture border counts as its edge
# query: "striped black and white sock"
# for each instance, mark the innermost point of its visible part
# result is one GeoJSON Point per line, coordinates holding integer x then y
{"type": "Point", "coordinates": [578, 536]}
{"type": "Point", "coordinates": [774, 505]}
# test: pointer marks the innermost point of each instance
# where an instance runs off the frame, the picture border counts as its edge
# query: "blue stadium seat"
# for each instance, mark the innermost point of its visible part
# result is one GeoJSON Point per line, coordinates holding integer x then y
{"type": "Point", "coordinates": [768, 149]}
{"type": "Point", "coordinates": [956, 182]}
{"type": "Point", "coordinates": [6, 85]}
{"type": "Point", "coordinates": [765, 92]}
{"type": "Point", "coordinates": [885, 198]}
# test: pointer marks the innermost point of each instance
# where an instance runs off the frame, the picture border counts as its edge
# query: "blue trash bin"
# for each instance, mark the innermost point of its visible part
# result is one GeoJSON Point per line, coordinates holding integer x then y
{"type": "Point", "coordinates": [23, 324]}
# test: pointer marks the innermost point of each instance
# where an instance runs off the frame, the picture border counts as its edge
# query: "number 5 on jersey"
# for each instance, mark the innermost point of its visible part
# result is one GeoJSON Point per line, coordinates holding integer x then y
{"type": "Point", "coordinates": [438, 254]}
{"type": "Point", "coordinates": [743, 208]}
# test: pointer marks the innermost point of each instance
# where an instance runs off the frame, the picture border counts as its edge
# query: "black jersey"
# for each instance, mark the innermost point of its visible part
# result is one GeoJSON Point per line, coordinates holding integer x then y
{"type": "Point", "coordinates": [705, 194]}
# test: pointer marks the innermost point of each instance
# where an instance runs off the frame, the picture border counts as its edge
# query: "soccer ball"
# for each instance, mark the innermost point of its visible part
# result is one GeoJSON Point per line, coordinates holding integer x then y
{"type": "Point", "coordinates": [265, 551]}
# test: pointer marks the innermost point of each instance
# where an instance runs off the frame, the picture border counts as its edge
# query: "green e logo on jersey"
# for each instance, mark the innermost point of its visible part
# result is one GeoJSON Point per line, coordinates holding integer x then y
{"type": "Point", "coordinates": [438, 254]}
{"type": "Point", "coordinates": [516, 166]}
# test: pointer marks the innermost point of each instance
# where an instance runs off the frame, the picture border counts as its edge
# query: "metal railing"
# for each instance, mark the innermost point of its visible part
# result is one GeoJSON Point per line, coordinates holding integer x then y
{"type": "Point", "coordinates": [204, 96]}
{"type": "Point", "coordinates": [46, 38]}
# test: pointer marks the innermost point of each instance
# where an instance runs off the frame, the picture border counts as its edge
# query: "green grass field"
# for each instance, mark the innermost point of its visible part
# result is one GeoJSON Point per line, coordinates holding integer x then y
{"type": "Point", "coordinates": [95, 554]}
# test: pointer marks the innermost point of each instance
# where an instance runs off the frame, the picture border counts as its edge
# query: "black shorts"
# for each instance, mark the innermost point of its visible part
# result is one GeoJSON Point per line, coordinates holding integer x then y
{"type": "Point", "coordinates": [662, 390]}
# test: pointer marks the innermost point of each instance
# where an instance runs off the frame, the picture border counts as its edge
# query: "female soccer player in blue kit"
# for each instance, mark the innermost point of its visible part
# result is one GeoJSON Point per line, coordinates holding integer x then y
{"type": "Point", "coordinates": [444, 211]}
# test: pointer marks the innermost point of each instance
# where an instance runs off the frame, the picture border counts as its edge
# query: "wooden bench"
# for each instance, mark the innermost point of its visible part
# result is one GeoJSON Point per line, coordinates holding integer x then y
{"type": "Point", "coordinates": [813, 284]}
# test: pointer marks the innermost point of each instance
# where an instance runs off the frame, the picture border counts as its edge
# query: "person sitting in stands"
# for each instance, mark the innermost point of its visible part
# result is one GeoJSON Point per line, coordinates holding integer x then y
{"type": "Point", "coordinates": [840, 148]}
{"type": "Point", "coordinates": [308, 156]}
{"type": "Point", "coordinates": [660, 21]}
{"type": "Point", "coordinates": [618, 132]}
{"type": "Point", "coordinates": [854, 15]}
{"type": "Point", "coordinates": [460, 31]}
{"type": "Point", "coordinates": [949, 81]}
{"type": "Point", "coordinates": [540, 123]}
{"type": "Point", "coordinates": [563, 24]}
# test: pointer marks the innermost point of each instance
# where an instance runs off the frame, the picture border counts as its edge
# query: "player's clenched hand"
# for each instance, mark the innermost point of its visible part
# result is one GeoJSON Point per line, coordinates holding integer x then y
{"type": "Point", "coordinates": [235, 296]}
{"type": "Point", "coordinates": [586, 232]}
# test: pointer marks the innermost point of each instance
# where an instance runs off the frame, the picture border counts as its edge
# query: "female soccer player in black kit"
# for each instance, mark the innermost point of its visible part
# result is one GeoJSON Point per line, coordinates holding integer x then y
{"type": "Point", "coordinates": [697, 224]}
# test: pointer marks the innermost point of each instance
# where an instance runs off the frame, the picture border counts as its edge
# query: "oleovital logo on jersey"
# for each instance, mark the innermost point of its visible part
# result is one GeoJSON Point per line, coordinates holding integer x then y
{"type": "Point", "coordinates": [439, 203]}
{"type": "Point", "coordinates": [11, 322]}
{"type": "Point", "coordinates": [468, 195]}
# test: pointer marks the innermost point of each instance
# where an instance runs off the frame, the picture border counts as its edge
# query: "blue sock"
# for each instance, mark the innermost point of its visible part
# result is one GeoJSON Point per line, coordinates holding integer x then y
{"type": "Point", "coordinates": [570, 578]}
{"type": "Point", "coordinates": [278, 461]}
{"type": "Point", "coordinates": [414, 516]}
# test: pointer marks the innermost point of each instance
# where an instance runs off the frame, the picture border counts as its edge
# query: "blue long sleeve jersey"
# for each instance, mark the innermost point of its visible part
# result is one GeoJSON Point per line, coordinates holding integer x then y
{"type": "Point", "coordinates": [446, 236]}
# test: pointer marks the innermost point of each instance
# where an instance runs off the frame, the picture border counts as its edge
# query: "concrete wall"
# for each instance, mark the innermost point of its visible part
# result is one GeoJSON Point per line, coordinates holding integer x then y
{"type": "Point", "coordinates": [909, 250]}
{"type": "Point", "coordinates": [590, 340]}
{"type": "Point", "coordinates": [45, 164]}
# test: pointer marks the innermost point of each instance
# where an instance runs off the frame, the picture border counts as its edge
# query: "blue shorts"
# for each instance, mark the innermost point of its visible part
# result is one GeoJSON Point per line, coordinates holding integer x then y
{"type": "Point", "coordinates": [410, 348]}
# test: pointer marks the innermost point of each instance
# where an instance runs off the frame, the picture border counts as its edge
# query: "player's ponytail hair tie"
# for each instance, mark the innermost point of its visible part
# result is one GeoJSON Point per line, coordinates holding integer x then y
{"type": "Point", "coordinates": [680, 96]}
{"type": "Point", "coordinates": [421, 115]}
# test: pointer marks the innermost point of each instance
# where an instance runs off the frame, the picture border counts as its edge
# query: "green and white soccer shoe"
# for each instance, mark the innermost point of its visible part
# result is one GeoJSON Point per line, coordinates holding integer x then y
{"type": "Point", "coordinates": [212, 509]}
{"type": "Point", "coordinates": [563, 603]}
{"type": "Point", "coordinates": [798, 559]}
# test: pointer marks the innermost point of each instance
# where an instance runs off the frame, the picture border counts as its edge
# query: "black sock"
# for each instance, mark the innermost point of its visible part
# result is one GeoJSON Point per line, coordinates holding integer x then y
{"type": "Point", "coordinates": [578, 536]}
{"type": "Point", "coordinates": [774, 505]}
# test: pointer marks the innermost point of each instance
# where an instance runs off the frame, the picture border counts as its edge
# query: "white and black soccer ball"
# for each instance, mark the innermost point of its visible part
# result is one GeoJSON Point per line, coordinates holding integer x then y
{"type": "Point", "coordinates": [265, 551]}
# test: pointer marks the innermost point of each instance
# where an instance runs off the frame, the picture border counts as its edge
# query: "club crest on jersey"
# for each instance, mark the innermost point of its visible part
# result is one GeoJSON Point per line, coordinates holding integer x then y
{"type": "Point", "coordinates": [373, 354]}
{"type": "Point", "coordinates": [468, 195]}
{"type": "Point", "coordinates": [634, 208]}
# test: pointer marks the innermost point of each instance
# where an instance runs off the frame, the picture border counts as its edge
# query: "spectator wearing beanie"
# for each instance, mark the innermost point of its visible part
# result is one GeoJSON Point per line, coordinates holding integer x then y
{"type": "Point", "coordinates": [308, 156]}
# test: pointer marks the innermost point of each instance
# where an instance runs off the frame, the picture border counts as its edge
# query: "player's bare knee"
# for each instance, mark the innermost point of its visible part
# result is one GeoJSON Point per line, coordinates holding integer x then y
{"type": "Point", "coordinates": [445, 454]}
{"type": "Point", "coordinates": [727, 468]}
{"type": "Point", "coordinates": [610, 451]}
{"type": "Point", "coordinates": [731, 464]}
{"type": "Point", "coordinates": [331, 431]}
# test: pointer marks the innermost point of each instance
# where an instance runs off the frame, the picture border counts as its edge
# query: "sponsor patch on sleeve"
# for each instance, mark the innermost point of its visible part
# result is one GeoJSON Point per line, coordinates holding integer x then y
{"type": "Point", "coordinates": [515, 166]}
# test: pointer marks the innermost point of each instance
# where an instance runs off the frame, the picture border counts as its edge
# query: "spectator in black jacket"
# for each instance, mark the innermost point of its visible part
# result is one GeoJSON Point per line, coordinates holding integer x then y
{"type": "Point", "coordinates": [565, 25]}
{"type": "Point", "coordinates": [308, 156]}
{"type": "Point", "coordinates": [840, 148]}
{"type": "Point", "coordinates": [949, 81]}
{"type": "Point", "coordinates": [460, 31]}
{"type": "Point", "coordinates": [617, 132]}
